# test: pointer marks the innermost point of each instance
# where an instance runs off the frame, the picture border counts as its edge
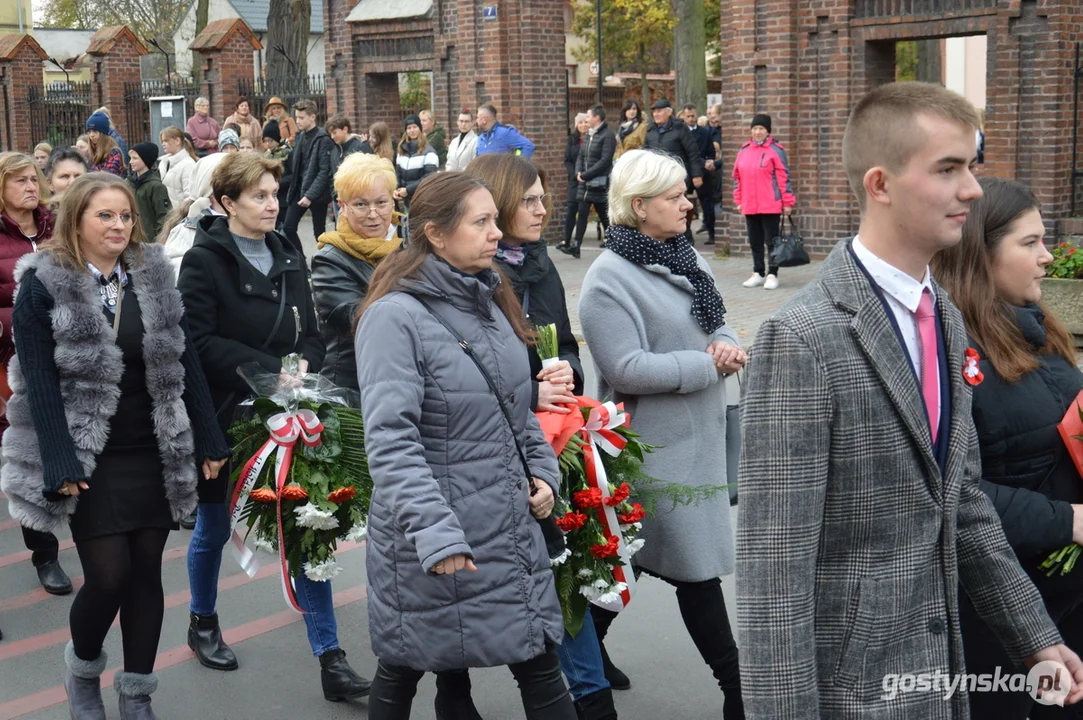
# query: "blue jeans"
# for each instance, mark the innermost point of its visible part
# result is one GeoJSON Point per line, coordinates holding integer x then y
{"type": "Point", "coordinates": [205, 561]}
{"type": "Point", "coordinates": [581, 661]}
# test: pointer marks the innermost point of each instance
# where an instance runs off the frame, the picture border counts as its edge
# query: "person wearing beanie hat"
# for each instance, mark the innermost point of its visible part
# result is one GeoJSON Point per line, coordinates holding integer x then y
{"type": "Point", "coordinates": [762, 192]}
{"type": "Point", "coordinates": [271, 131]}
{"type": "Point", "coordinates": [416, 159]}
{"type": "Point", "coordinates": [763, 120]}
{"type": "Point", "coordinates": [229, 141]}
{"type": "Point", "coordinates": [151, 196]}
{"type": "Point", "coordinates": [105, 153]}
{"type": "Point", "coordinates": [276, 147]}
{"type": "Point", "coordinates": [98, 121]}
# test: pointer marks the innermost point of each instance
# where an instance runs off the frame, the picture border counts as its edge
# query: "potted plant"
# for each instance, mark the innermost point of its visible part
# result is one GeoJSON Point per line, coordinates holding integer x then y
{"type": "Point", "coordinates": [1062, 289]}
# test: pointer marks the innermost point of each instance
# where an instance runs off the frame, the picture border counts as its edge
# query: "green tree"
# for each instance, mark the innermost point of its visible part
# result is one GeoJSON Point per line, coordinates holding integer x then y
{"type": "Point", "coordinates": [906, 60]}
{"type": "Point", "coordinates": [414, 92]}
{"type": "Point", "coordinates": [637, 35]}
{"type": "Point", "coordinates": [713, 27]}
{"type": "Point", "coordinates": [157, 19]}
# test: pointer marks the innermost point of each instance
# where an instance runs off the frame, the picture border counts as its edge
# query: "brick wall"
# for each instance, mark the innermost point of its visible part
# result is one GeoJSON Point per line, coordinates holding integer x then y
{"type": "Point", "coordinates": [340, 71]}
{"type": "Point", "coordinates": [115, 54]}
{"type": "Point", "coordinates": [20, 70]}
{"type": "Point", "coordinates": [806, 62]}
{"type": "Point", "coordinates": [224, 53]}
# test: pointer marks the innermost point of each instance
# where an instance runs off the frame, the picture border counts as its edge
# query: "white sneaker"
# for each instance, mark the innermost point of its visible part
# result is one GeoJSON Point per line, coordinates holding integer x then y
{"type": "Point", "coordinates": [770, 283]}
{"type": "Point", "coordinates": [755, 281]}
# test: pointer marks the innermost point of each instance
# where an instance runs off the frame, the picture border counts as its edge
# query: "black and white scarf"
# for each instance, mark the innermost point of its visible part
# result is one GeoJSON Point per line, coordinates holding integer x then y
{"type": "Point", "coordinates": [677, 255]}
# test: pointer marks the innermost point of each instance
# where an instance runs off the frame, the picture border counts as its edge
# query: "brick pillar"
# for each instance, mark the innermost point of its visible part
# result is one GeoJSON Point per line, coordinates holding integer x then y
{"type": "Point", "coordinates": [341, 70]}
{"type": "Point", "coordinates": [114, 53]}
{"type": "Point", "coordinates": [224, 53]}
{"type": "Point", "coordinates": [380, 101]}
{"type": "Point", "coordinates": [20, 74]}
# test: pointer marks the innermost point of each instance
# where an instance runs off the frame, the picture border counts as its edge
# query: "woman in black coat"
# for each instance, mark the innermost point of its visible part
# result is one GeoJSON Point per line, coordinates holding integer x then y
{"type": "Point", "coordinates": [1025, 378]}
{"type": "Point", "coordinates": [571, 156]}
{"type": "Point", "coordinates": [247, 294]}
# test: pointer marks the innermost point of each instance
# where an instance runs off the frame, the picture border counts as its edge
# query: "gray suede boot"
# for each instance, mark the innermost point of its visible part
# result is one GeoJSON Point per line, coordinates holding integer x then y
{"type": "Point", "coordinates": [135, 691]}
{"type": "Point", "coordinates": [83, 685]}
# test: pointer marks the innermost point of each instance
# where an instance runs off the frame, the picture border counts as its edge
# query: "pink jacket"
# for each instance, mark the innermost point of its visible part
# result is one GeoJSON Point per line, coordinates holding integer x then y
{"type": "Point", "coordinates": [761, 179]}
{"type": "Point", "coordinates": [204, 131]}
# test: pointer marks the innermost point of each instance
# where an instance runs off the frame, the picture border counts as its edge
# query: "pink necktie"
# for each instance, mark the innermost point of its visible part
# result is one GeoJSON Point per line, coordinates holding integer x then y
{"type": "Point", "coordinates": [930, 390]}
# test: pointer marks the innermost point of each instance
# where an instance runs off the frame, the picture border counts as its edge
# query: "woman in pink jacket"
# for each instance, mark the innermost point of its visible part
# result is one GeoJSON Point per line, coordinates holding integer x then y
{"type": "Point", "coordinates": [762, 193]}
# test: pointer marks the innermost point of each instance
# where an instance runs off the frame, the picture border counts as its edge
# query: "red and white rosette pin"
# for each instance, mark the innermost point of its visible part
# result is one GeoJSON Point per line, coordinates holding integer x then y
{"type": "Point", "coordinates": [285, 430]}
{"type": "Point", "coordinates": [599, 433]}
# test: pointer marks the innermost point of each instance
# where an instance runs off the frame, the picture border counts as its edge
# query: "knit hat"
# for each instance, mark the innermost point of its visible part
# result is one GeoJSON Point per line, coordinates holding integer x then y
{"type": "Point", "coordinates": [147, 152]}
{"type": "Point", "coordinates": [228, 137]}
{"type": "Point", "coordinates": [270, 130]}
{"type": "Point", "coordinates": [199, 191]}
{"type": "Point", "coordinates": [763, 120]}
{"type": "Point", "coordinates": [411, 120]}
{"type": "Point", "coordinates": [98, 121]}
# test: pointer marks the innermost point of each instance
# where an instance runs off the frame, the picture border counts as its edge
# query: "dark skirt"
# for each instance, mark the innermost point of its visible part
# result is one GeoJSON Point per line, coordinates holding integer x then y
{"type": "Point", "coordinates": [126, 493]}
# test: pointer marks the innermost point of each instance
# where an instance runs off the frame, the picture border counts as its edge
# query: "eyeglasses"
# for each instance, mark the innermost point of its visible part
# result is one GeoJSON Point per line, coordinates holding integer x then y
{"type": "Point", "coordinates": [109, 219]}
{"type": "Point", "coordinates": [363, 208]}
{"type": "Point", "coordinates": [531, 202]}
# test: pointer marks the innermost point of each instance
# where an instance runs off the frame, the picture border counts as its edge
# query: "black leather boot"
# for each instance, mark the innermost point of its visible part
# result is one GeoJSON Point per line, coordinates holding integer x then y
{"type": "Point", "coordinates": [205, 639]}
{"type": "Point", "coordinates": [53, 578]}
{"type": "Point", "coordinates": [726, 671]}
{"type": "Point", "coordinates": [597, 706]}
{"type": "Point", "coordinates": [703, 609]}
{"type": "Point", "coordinates": [616, 677]}
{"type": "Point", "coordinates": [453, 701]}
{"type": "Point", "coordinates": [340, 682]}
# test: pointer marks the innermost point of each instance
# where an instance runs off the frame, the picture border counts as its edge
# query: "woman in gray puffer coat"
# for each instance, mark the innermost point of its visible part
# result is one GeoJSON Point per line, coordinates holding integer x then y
{"type": "Point", "coordinates": [450, 496]}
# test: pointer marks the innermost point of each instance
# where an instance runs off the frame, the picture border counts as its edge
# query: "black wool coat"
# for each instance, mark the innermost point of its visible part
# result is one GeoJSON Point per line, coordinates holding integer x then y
{"type": "Point", "coordinates": [571, 155]}
{"type": "Point", "coordinates": [540, 290]}
{"type": "Point", "coordinates": [311, 167]}
{"type": "Point", "coordinates": [232, 308]}
{"type": "Point", "coordinates": [595, 163]}
{"type": "Point", "coordinates": [679, 141]}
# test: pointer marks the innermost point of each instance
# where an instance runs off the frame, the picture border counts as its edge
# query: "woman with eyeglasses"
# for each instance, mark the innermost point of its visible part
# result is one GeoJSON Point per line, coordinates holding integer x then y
{"type": "Point", "coordinates": [110, 419]}
{"type": "Point", "coordinates": [346, 258]}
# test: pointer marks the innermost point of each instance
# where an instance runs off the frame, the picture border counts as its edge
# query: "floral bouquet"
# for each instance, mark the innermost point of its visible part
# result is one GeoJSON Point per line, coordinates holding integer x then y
{"type": "Point", "coordinates": [1070, 427]}
{"type": "Point", "coordinates": [316, 491]}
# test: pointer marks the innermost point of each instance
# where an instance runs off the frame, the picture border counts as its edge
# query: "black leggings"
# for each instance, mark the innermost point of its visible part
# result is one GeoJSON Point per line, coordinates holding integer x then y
{"type": "Point", "coordinates": [122, 573]}
{"type": "Point", "coordinates": [602, 208]}
{"type": "Point", "coordinates": [762, 231]}
{"type": "Point", "coordinates": [569, 220]}
{"type": "Point", "coordinates": [545, 696]}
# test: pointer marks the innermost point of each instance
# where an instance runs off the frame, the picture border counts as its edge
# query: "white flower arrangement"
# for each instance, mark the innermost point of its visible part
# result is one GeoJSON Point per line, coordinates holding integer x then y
{"type": "Point", "coordinates": [321, 572]}
{"type": "Point", "coordinates": [310, 516]}
{"type": "Point", "coordinates": [357, 533]}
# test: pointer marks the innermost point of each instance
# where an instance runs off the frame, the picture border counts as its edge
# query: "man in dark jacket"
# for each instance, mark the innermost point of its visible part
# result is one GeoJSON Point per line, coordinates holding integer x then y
{"type": "Point", "coordinates": [672, 135]}
{"type": "Point", "coordinates": [704, 137]}
{"type": "Point", "coordinates": [151, 196]}
{"type": "Point", "coordinates": [346, 143]}
{"type": "Point", "coordinates": [310, 186]}
{"type": "Point", "coordinates": [592, 173]}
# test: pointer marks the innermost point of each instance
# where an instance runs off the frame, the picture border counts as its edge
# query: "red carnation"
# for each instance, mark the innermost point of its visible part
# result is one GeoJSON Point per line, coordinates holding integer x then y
{"type": "Point", "coordinates": [342, 494]}
{"type": "Point", "coordinates": [607, 550]}
{"type": "Point", "coordinates": [571, 521]}
{"type": "Point", "coordinates": [591, 498]}
{"type": "Point", "coordinates": [637, 514]}
{"type": "Point", "coordinates": [619, 496]}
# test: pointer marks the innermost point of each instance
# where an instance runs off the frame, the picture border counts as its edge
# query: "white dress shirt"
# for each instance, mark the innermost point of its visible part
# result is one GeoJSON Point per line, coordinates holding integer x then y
{"type": "Point", "coordinates": [903, 293]}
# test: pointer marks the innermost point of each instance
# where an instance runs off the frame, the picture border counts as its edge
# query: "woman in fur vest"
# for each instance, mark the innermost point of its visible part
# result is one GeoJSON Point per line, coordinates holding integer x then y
{"type": "Point", "coordinates": [109, 416]}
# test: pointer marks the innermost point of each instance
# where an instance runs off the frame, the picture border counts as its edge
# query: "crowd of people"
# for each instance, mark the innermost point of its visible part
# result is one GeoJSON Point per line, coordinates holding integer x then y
{"type": "Point", "coordinates": [901, 472]}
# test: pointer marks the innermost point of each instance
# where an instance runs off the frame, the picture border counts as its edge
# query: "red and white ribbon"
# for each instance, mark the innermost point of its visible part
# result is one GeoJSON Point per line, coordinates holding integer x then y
{"type": "Point", "coordinates": [285, 430]}
{"type": "Point", "coordinates": [602, 421]}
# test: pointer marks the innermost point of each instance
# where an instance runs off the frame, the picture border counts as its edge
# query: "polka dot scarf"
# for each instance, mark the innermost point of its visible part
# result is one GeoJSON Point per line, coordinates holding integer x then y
{"type": "Point", "coordinates": [677, 255]}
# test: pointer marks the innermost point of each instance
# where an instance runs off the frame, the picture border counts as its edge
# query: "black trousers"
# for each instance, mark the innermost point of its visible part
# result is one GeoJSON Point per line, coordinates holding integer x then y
{"type": "Point", "coordinates": [600, 207]}
{"type": "Point", "coordinates": [705, 193]}
{"type": "Point", "coordinates": [570, 214]}
{"type": "Point", "coordinates": [762, 231]}
{"type": "Point", "coordinates": [295, 212]}
{"type": "Point", "coordinates": [545, 696]}
{"type": "Point", "coordinates": [43, 546]}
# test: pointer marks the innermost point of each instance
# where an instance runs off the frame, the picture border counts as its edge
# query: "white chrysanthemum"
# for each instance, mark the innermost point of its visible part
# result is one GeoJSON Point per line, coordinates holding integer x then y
{"type": "Point", "coordinates": [310, 516]}
{"type": "Point", "coordinates": [613, 594]}
{"type": "Point", "coordinates": [585, 573]}
{"type": "Point", "coordinates": [357, 532]}
{"type": "Point", "coordinates": [322, 572]}
{"type": "Point", "coordinates": [264, 545]}
{"type": "Point", "coordinates": [601, 584]}
{"type": "Point", "coordinates": [589, 592]}
{"type": "Point", "coordinates": [553, 562]}
{"type": "Point", "coordinates": [635, 546]}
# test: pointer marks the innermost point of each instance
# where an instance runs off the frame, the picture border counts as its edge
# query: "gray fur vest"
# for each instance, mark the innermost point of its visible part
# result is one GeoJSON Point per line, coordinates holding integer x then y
{"type": "Point", "coordinates": [89, 366]}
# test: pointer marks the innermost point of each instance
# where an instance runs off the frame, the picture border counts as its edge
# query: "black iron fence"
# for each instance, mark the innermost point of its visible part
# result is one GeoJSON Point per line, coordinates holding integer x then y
{"type": "Point", "coordinates": [136, 96]}
{"type": "Point", "coordinates": [58, 113]}
{"type": "Point", "coordinates": [288, 89]}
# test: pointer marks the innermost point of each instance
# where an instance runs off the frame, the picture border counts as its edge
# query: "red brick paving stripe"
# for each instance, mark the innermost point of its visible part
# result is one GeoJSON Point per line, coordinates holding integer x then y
{"type": "Point", "coordinates": [24, 555]}
{"type": "Point", "coordinates": [8, 525]}
{"type": "Point", "coordinates": [55, 695]}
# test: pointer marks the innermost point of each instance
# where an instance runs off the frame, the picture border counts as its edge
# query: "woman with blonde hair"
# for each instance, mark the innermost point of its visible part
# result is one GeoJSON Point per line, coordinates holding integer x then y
{"type": "Point", "coordinates": [178, 163]}
{"type": "Point", "coordinates": [41, 154]}
{"type": "Point", "coordinates": [1024, 379]}
{"type": "Point", "coordinates": [381, 141]}
{"type": "Point", "coordinates": [110, 420]}
{"type": "Point", "coordinates": [346, 258]}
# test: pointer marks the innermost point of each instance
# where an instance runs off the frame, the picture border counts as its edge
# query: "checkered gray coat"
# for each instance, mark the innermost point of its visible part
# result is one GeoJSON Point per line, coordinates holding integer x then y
{"type": "Point", "coordinates": [851, 544]}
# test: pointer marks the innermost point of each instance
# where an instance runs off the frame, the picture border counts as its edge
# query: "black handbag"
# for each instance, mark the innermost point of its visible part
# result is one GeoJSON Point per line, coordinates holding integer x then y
{"type": "Point", "coordinates": [554, 538]}
{"type": "Point", "coordinates": [788, 250]}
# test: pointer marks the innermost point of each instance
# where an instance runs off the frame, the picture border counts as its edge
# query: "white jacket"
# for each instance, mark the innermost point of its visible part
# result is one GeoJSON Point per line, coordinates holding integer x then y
{"type": "Point", "coordinates": [459, 154]}
{"type": "Point", "coordinates": [176, 172]}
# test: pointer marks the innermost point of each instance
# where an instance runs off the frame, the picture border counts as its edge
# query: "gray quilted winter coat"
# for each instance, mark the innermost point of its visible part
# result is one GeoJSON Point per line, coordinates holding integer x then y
{"type": "Point", "coordinates": [448, 480]}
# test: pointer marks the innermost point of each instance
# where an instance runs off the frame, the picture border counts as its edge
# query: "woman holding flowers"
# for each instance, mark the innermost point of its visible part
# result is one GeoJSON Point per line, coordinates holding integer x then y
{"type": "Point", "coordinates": [458, 571]}
{"type": "Point", "coordinates": [110, 416]}
{"type": "Point", "coordinates": [1022, 367]}
{"type": "Point", "coordinates": [655, 324]}
{"type": "Point", "coordinates": [342, 268]}
{"type": "Point", "coordinates": [247, 295]}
